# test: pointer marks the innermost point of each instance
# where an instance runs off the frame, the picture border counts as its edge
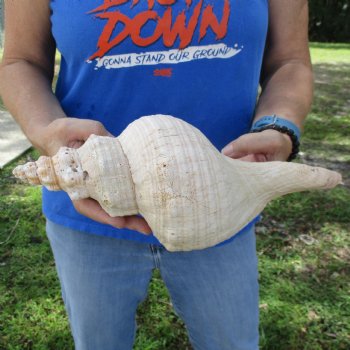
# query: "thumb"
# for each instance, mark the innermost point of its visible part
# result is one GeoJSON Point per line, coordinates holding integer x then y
{"type": "Point", "coordinates": [70, 132]}
{"type": "Point", "coordinates": [247, 144]}
{"type": "Point", "coordinates": [83, 128]}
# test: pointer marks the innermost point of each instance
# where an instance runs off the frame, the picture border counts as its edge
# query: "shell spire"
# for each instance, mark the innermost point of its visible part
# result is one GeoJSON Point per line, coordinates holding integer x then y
{"type": "Point", "coordinates": [99, 169]}
{"type": "Point", "coordinates": [63, 171]}
{"type": "Point", "coordinates": [39, 172]}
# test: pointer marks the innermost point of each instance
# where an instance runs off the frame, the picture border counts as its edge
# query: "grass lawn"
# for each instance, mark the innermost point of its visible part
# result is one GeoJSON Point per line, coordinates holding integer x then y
{"type": "Point", "coordinates": [302, 241]}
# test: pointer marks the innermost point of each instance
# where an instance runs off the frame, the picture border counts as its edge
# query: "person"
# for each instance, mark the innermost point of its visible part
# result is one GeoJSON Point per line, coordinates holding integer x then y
{"type": "Point", "coordinates": [198, 60]}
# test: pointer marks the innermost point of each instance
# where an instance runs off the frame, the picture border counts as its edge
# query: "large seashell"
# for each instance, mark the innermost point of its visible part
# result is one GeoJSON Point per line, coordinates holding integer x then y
{"type": "Point", "coordinates": [190, 194]}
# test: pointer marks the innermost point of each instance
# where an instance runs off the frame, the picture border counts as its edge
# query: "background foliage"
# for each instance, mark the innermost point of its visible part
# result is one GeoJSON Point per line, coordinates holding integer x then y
{"type": "Point", "coordinates": [330, 20]}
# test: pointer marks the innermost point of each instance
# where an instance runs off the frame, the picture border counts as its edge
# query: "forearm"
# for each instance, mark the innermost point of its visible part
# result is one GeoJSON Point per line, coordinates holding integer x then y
{"type": "Point", "coordinates": [286, 79]}
{"type": "Point", "coordinates": [287, 92]}
{"type": "Point", "coordinates": [27, 94]}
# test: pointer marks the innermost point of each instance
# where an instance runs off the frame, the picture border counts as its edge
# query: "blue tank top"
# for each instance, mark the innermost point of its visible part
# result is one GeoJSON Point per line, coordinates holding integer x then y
{"type": "Point", "coordinates": [198, 60]}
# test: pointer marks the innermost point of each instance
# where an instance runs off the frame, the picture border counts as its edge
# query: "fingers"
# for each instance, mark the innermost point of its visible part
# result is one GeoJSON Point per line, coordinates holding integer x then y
{"type": "Point", "coordinates": [138, 224]}
{"type": "Point", "coordinates": [90, 208]}
{"type": "Point", "coordinates": [247, 144]}
{"type": "Point", "coordinates": [254, 158]}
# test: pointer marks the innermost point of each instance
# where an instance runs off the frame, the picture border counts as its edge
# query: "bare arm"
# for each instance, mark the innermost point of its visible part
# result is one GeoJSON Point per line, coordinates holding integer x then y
{"type": "Point", "coordinates": [26, 74]}
{"type": "Point", "coordinates": [286, 81]}
{"type": "Point", "coordinates": [26, 71]}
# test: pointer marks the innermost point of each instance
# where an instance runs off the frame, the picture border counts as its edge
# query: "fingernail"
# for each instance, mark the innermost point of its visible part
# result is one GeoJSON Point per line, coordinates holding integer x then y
{"type": "Point", "coordinates": [227, 150]}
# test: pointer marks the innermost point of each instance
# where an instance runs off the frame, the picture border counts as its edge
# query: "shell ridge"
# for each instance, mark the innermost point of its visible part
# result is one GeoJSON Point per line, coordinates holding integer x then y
{"type": "Point", "coordinates": [130, 172]}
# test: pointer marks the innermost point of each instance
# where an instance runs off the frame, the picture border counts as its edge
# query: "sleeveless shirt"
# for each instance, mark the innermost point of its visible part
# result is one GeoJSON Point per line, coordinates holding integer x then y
{"type": "Point", "coordinates": [198, 60]}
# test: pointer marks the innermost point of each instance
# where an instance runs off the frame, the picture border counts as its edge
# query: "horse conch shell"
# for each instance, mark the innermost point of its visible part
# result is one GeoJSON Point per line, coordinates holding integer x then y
{"type": "Point", "coordinates": [190, 194]}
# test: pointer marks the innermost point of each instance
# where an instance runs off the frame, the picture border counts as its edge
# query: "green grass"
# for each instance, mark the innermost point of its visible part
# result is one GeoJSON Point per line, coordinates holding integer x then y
{"type": "Point", "coordinates": [302, 241]}
{"type": "Point", "coordinates": [330, 53]}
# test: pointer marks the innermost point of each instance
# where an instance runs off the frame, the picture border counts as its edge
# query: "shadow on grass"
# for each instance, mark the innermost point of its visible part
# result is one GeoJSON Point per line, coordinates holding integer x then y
{"type": "Point", "coordinates": [326, 139]}
{"type": "Point", "coordinates": [332, 89]}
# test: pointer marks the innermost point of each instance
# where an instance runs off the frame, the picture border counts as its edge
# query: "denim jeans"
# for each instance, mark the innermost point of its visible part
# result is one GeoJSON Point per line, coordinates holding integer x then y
{"type": "Point", "coordinates": [103, 280]}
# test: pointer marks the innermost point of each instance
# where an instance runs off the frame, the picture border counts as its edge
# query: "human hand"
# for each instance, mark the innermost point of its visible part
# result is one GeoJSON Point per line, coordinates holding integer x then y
{"type": "Point", "coordinates": [264, 146]}
{"type": "Point", "coordinates": [73, 132]}
{"type": "Point", "coordinates": [67, 132]}
{"type": "Point", "coordinates": [92, 209]}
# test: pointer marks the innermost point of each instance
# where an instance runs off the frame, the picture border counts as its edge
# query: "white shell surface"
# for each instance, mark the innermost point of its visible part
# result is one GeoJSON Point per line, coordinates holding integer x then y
{"type": "Point", "coordinates": [107, 175]}
{"type": "Point", "coordinates": [191, 195]}
{"type": "Point", "coordinates": [185, 188]}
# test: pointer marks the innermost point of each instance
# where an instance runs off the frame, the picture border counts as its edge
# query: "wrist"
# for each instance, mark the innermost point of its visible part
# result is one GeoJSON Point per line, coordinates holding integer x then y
{"type": "Point", "coordinates": [275, 120]}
